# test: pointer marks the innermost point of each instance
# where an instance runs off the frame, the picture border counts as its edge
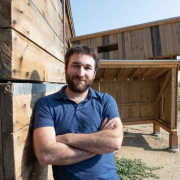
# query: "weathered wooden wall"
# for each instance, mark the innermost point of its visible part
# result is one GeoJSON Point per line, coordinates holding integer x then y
{"type": "Point", "coordinates": [17, 103]}
{"type": "Point", "coordinates": [156, 40]}
{"type": "Point", "coordinates": [31, 40]}
{"type": "Point", "coordinates": [31, 50]}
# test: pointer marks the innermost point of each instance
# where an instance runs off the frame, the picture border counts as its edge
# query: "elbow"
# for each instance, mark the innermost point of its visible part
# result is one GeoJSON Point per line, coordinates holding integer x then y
{"type": "Point", "coordinates": [43, 159]}
{"type": "Point", "coordinates": [117, 144]}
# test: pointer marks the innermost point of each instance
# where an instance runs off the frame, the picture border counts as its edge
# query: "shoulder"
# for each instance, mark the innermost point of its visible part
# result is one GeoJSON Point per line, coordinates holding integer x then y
{"type": "Point", "coordinates": [104, 97]}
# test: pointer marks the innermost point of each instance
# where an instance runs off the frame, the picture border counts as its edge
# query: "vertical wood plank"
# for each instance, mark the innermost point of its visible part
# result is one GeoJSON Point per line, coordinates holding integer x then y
{"type": "Point", "coordinates": [163, 39]}
{"type": "Point", "coordinates": [173, 98]}
{"type": "Point", "coordinates": [134, 49]}
{"type": "Point", "coordinates": [137, 44]}
{"type": "Point", "coordinates": [94, 43]}
{"type": "Point", "coordinates": [123, 45]}
{"type": "Point", "coordinates": [141, 44]}
{"type": "Point", "coordinates": [1, 153]}
{"type": "Point", "coordinates": [128, 45]}
{"type": "Point", "coordinates": [111, 39]}
{"type": "Point", "coordinates": [178, 29]}
{"type": "Point", "coordinates": [156, 41]}
{"type": "Point", "coordinates": [84, 42]}
{"type": "Point", "coordinates": [120, 46]}
{"type": "Point", "coordinates": [99, 43]}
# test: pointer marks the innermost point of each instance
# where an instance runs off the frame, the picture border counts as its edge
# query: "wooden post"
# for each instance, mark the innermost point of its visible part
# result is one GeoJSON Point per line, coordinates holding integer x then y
{"type": "Point", "coordinates": [173, 143]}
{"type": "Point", "coordinates": [156, 130]}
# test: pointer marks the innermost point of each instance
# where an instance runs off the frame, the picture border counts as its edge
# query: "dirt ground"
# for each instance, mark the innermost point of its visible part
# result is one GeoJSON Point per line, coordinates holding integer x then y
{"type": "Point", "coordinates": [137, 145]}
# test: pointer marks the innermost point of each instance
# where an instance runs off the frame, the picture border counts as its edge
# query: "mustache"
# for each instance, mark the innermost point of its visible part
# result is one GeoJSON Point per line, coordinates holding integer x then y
{"type": "Point", "coordinates": [79, 78]}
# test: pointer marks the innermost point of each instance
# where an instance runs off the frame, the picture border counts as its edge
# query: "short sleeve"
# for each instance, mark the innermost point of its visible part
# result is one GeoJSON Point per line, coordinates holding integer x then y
{"type": "Point", "coordinates": [110, 107]}
{"type": "Point", "coordinates": [42, 114]}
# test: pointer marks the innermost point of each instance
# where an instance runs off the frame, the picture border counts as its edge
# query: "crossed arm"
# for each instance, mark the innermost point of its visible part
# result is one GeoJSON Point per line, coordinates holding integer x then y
{"type": "Point", "coordinates": [73, 148]}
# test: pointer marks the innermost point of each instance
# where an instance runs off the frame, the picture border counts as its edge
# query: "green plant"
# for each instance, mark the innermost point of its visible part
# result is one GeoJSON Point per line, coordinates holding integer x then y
{"type": "Point", "coordinates": [126, 132]}
{"type": "Point", "coordinates": [128, 169]}
{"type": "Point", "coordinates": [157, 138]}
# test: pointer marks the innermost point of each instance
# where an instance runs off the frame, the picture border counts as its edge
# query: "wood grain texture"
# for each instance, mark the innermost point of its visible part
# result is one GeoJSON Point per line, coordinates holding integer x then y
{"type": "Point", "coordinates": [147, 43]}
{"type": "Point", "coordinates": [58, 8]}
{"type": "Point", "coordinates": [128, 45]}
{"type": "Point", "coordinates": [141, 44]}
{"type": "Point", "coordinates": [178, 29]}
{"type": "Point", "coordinates": [156, 41]}
{"type": "Point", "coordinates": [47, 11]}
{"type": "Point", "coordinates": [26, 19]}
{"type": "Point", "coordinates": [120, 46]}
{"type": "Point", "coordinates": [123, 46]}
{"type": "Point", "coordinates": [173, 98]}
{"type": "Point", "coordinates": [26, 61]}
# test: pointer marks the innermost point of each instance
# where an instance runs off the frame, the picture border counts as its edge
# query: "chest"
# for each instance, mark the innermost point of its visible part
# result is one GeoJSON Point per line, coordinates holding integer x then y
{"type": "Point", "coordinates": [83, 118]}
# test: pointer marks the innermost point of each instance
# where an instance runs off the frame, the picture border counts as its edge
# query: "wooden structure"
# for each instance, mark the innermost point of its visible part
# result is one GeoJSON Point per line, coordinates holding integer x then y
{"type": "Point", "coordinates": [155, 40]}
{"type": "Point", "coordinates": [145, 91]}
{"type": "Point", "coordinates": [31, 66]}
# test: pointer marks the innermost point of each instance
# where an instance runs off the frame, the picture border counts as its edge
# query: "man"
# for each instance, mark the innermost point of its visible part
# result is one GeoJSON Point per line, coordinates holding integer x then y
{"type": "Point", "coordinates": [77, 129]}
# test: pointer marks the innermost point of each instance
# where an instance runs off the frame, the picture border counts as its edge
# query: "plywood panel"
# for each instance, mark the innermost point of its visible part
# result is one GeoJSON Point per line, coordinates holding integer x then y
{"type": "Point", "coordinates": [21, 59]}
{"type": "Point", "coordinates": [47, 10]}
{"type": "Point", "coordinates": [26, 19]}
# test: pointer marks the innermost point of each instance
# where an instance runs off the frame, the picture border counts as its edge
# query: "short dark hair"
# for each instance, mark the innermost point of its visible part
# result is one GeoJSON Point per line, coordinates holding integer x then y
{"type": "Point", "coordinates": [81, 49]}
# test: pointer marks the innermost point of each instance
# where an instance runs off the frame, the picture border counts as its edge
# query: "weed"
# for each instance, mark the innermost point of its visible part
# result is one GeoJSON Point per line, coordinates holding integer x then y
{"type": "Point", "coordinates": [143, 126]}
{"type": "Point", "coordinates": [128, 169]}
{"type": "Point", "coordinates": [126, 132]}
{"type": "Point", "coordinates": [156, 137]}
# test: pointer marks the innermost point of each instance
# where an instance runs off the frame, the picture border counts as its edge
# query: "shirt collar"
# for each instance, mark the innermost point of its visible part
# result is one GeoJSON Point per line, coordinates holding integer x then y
{"type": "Point", "coordinates": [60, 94]}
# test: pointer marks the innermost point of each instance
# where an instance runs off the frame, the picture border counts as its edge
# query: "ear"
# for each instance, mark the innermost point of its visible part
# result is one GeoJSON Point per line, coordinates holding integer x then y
{"type": "Point", "coordinates": [94, 74]}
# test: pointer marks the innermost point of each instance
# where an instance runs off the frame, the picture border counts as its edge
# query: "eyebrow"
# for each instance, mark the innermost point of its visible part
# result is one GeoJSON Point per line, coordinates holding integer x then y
{"type": "Point", "coordinates": [89, 65]}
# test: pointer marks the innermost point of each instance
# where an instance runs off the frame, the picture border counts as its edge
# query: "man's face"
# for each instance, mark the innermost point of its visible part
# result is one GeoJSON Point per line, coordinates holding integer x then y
{"type": "Point", "coordinates": [80, 72]}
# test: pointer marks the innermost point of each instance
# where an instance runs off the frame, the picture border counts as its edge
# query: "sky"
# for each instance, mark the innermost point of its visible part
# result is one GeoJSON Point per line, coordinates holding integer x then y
{"type": "Point", "coordinates": [91, 16]}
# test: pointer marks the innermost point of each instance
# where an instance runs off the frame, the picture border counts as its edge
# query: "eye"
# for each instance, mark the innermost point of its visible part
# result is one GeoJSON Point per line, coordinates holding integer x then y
{"type": "Point", "coordinates": [87, 68]}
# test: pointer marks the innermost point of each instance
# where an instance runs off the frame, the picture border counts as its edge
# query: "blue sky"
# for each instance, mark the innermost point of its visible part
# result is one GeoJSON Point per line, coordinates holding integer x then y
{"type": "Point", "coordinates": [92, 16]}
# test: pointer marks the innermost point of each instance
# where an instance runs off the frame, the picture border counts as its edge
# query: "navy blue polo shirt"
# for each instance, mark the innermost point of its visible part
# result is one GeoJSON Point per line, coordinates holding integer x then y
{"type": "Point", "coordinates": [66, 116]}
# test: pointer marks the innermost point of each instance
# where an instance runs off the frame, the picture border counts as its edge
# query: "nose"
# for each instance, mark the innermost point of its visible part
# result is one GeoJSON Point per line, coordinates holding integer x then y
{"type": "Point", "coordinates": [81, 72]}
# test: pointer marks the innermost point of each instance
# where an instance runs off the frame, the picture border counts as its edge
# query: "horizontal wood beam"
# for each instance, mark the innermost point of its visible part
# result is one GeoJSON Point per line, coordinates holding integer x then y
{"type": "Point", "coordinates": [168, 76]}
{"type": "Point", "coordinates": [105, 73]}
{"type": "Point", "coordinates": [119, 73]}
{"type": "Point", "coordinates": [162, 71]}
{"type": "Point", "coordinates": [135, 71]}
{"type": "Point", "coordinates": [147, 72]}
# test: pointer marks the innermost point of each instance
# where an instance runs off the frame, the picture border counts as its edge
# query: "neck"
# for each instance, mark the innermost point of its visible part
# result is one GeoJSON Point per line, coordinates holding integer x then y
{"type": "Point", "coordinates": [77, 97]}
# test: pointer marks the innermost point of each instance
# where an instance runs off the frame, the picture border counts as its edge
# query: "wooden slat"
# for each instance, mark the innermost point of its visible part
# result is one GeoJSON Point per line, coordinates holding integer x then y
{"type": "Point", "coordinates": [119, 73]}
{"type": "Point", "coordinates": [47, 10]}
{"type": "Point", "coordinates": [173, 98]}
{"type": "Point", "coordinates": [147, 72]}
{"type": "Point", "coordinates": [134, 47]}
{"type": "Point", "coordinates": [99, 43]}
{"type": "Point", "coordinates": [141, 44]}
{"type": "Point", "coordinates": [1, 152]}
{"type": "Point", "coordinates": [147, 42]}
{"type": "Point", "coordinates": [26, 19]}
{"type": "Point", "coordinates": [24, 60]}
{"type": "Point", "coordinates": [135, 71]}
{"type": "Point", "coordinates": [168, 76]}
{"type": "Point", "coordinates": [164, 40]}
{"type": "Point", "coordinates": [160, 72]}
{"type": "Point", "coordinates": [178, 29]}
{"type": "Point", "coordinates": [123, 46]}
{"type": "Point", "coordinates": [156, 41]}
{"type": "Point", "coordinates": [128, 45]}
{"type": "Point", "coordinates": [120, 46]}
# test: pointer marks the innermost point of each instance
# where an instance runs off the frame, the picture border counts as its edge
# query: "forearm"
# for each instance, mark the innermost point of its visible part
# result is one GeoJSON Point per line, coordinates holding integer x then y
{"type": "Point", "coordinates": [48, 151]}
{"type": "Point", "coordinates": [61, 154]}
{"type": "Point", "coordinates": [100, 142]}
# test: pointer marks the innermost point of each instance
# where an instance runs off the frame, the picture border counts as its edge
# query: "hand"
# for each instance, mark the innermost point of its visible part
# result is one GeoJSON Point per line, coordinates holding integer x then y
{"type": "Point", "coordinates": [107, 125]}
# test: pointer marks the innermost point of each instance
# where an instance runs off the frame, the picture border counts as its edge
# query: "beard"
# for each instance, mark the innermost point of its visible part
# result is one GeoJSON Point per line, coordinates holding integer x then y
{"type": "Point", "coordinates": [78, 87]}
